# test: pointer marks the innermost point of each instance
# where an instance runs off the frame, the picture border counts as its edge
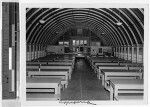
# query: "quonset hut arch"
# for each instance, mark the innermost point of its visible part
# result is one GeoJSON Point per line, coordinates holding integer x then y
{"type": "Point", "coordinates": [98, 21]}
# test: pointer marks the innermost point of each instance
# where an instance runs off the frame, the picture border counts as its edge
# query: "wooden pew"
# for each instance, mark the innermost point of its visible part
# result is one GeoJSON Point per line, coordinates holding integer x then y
{"type": "Point", "coordinates": [121, 64]}
{"type": "Point", "coordinates": [44, 85]}
{"type": "Point", "coordinates": [128, 86]}
{"type": "Point", "coordinates": [71, 63]}
{"type": "Point", "coordinates": [56, 58]}
{"type": "Point", "coordinates": [115, 67]}
{"type": "Point", "coordinates": [38, 63]}
{"type": "Point", "coordinates": [108, 74]}
{"type": "Point", "coordinates": [52, 64]}
{"type": "Point", "coordinates": [53, 68]}
{"type": "Point", "coordinates": [50, 61]}
{"type": "Point", "coordinates": [130, 66]}
{"type": "Point", "coordinates": [135, 68]}
{"type": "Point", "coordinates": [59, 67]}
{"type": "Point", "coordinates": [97, 64]}
{"type": "Point", "coordinates": [105, 63]}
{"type": "Point", "coordinates": [60, 63]}
{"type": "Point", "coordinates": [42, 97]}
{"type": "Point", "coordinates": [68, 64]}
{"type": "Point", "coordinates": [60, 73]}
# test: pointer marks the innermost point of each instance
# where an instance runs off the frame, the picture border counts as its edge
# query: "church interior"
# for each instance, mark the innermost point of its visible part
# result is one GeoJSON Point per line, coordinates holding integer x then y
{"type": "Point", "coordinates": [74, 53]}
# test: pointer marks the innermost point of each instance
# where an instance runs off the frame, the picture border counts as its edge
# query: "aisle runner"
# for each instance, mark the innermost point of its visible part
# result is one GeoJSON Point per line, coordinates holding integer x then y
{"type": "Point", "coordinates": [84, 84]}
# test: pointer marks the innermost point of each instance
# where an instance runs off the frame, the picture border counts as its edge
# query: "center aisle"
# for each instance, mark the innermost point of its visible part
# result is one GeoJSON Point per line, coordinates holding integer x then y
{"type": "Point", "coordinates": [84, 84]}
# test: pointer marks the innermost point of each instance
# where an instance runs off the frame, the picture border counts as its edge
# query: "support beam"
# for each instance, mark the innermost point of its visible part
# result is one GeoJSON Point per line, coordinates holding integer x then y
{"type": "Point", "coordinates": [133, 54]}
{"type": "Point", "coordinates": [119, 52]}
{"type": "Point", "coordinates": [125, 52]}
{"type": "Point", "coordinates": [30, 52]}
{"type": "Point", "coordinates": [33, 51]}
{"type": "Point", "coordinates": [122, 55]}
{"type": "Point", "coordinates": [129, 53]}
{"type": "Point", "coordinates": [137, 54]}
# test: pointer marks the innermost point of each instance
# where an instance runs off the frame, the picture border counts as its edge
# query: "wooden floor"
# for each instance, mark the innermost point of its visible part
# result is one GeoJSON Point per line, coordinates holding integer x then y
{"type": "Point", "coordinates": [84, 84]}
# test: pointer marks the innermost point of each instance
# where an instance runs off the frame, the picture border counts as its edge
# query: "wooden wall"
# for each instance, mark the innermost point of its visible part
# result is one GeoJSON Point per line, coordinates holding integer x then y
{"type": "Point", "coordinates": [35, 51]}
{"type": "Point", "coordinates": [132, 53]}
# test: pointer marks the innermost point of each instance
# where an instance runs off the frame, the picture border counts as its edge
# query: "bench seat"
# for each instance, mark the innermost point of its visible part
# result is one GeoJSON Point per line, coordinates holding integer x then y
{"type": "Point", "coordinates": [42, 97]}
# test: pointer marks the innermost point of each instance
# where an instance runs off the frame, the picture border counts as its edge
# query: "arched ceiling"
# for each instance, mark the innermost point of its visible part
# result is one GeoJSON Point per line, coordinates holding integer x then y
{"type": "Point", "coordinates": [102, 22]}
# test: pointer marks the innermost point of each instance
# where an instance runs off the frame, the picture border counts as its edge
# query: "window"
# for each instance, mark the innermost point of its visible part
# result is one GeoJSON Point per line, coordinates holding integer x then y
{"type": "Point", "coordinates": [85, 42]}
{"type": "Point", "coordinates": [77, 42]}
{"type": "Point", "coordinates": [74, 42]}
{"type": "Point", "coordinates": [60, 43]}
{"type": "Point", "coordinates": [81, 42]}
{"type": "Point", "coordinates": [66, 43]}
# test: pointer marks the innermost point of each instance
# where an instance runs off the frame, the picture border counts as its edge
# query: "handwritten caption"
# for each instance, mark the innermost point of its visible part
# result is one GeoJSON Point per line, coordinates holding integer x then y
{"type": "Point", "coordinates": [76, 102]}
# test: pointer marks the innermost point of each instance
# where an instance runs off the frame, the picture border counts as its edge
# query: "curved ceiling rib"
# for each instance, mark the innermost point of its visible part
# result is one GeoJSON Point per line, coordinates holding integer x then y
{"type": "Point", "coordinates": [32, 23]}
{"type": "Point", "coordinates": [65, 15]}
{"type": "Point", "coordinates": [99, 27]}
{"type": "Point", "coordinates": [55, 39]}
{"type": "Point", "coordinates": [133, 25]}
{"type": "Point", "coordinates": [122, 29]}
{"type": "Point", "coordinates": [137, 25]}
{"type": "Point", "coordinates": [62, 20]}
{"type": "Point", "coordinates": [99, 35]}
{"type": "Point", "coordinates": [68, 18]}
{"type": "Point", "coordinates": [98, 21]}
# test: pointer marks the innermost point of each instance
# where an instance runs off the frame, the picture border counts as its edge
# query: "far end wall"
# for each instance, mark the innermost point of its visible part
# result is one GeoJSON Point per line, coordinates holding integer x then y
{"type": "Point", "coordinates": [55, 49]}
{"type": "Point", "coordinates": [99, 50]}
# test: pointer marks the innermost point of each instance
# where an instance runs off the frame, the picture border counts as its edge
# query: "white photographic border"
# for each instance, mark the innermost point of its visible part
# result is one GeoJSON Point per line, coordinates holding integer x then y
{"type": "Point", "coordinates": [23, 7]}
{"type": "Point", "coordinates": [81, 4]}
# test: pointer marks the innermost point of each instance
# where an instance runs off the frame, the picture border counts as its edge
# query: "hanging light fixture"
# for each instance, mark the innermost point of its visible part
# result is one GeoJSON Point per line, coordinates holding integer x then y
{"type": "Point", "coordinates": [119, 23]}
{"type": "Point", "coordinates": [102, 33]}
{"type": "Point", "coordinates": [42, 21]}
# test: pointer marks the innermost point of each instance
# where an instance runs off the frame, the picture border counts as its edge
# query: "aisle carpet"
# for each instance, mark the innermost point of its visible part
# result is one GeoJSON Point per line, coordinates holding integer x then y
{"type": "Point", "coordinates": [84, 84]}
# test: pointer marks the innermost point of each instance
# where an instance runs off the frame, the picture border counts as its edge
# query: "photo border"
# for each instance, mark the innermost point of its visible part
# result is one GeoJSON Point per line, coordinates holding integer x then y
{"type": "Point", "coordinates": [23, 7]}
{"type": "Point", "coordinates": [60, 3]}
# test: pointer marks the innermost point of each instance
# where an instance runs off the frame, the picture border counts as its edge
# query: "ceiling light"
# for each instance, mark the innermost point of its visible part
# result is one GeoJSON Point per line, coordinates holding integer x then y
{"type": "Point", "coordinates": [118, 23]}
{"type": "Point", "coordinates": [42, 21]}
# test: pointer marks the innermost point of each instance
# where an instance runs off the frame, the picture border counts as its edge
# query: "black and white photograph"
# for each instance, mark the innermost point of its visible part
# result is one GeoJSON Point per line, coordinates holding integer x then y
{"type": "Point", "coordinates": [73, 53]}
